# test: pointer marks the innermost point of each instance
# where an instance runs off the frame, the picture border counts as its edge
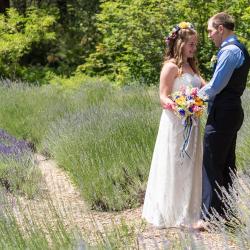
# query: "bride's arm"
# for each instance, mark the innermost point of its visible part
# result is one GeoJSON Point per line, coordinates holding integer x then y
{"type": "Point", "coordinates": [168, 74]}
{"type": "Point", "coordinates": [203, 82]}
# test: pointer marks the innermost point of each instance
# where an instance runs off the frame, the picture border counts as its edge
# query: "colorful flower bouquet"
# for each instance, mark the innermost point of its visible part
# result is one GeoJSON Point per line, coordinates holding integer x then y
{"type": "Point", "coordinates": [188, 106]}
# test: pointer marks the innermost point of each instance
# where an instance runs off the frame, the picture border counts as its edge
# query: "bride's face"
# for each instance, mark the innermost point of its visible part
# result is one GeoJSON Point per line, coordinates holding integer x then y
{"type": "Point", "coordinates": [190, 47]}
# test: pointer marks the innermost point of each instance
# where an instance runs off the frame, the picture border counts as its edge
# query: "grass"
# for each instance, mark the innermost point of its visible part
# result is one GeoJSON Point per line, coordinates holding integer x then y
{"type": "Point", "coordinates": [21, 230]}
{"type": "Point", "coordinates": [20, 175]}
{"type": "Point", "coordinates": [27, 231]}
{"type": "Point", "coordinates": [103, 137]}
{"type": "Point", "coordinates": [237, 202]}
{"type": "Point", "coordinates": [106, 152]}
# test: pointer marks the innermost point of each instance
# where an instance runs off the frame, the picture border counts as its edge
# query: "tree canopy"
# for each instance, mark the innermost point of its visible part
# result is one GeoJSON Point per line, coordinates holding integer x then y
{"type": "Point", "coordinates": [121, 39]}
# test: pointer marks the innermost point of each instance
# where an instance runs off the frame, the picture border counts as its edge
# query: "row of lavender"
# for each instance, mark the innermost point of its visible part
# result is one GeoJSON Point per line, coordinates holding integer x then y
{"type": "Point", "coordinates": [11, 146]}
{"type": "Point", "coordinates": [104, 138]}
{"type": "Point", "coordinates": [18, 173]}
{"type": "Point", "coordinates": [96, 130]}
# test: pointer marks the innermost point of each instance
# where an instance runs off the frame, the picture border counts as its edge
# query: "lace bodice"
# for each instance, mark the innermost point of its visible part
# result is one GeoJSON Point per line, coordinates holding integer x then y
{"type": "Point", "coordinates": [186, 79]}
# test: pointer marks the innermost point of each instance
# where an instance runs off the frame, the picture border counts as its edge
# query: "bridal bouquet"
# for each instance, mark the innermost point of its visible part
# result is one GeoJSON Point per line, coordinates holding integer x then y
{"type": "Point", "coordinates": [187, 104]}
{"type": "Point", "coordinates": [189, 107]}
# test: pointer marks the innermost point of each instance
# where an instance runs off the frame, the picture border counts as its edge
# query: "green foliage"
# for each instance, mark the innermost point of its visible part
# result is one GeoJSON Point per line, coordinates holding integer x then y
{"type": "Point", "coordinates": [19, 34]}
{"type": "Point", "coordinates": [22, 228]}
{"type": "Point", "coordinates": [102, 135]}
{"type": "Point", "coordinates": [75, 31]}
{"type": "Point", "coordinates": [244, 32]}
{"type": "Point", "coordinates": [105, 148]}
{"type": "Point", "coordinates": [37, 74]}
{"type": "Point", "coordinates": [122, 40]}
{"type": "Point", "coordinates": [132, 43]}
{"type": "Point", "coordinates": [80, 35]}
{"type": "Point", "coordinates": [20, 175]}
{"type": "Point", "coordinates": [22, 107]}
{"type": "Point", "coordinates": [243, 140]}
{"type": "Point", "coordinates": [51, 49]}
{"type": "Point", "coordinates": [76, 80]}
{"type": "Point", "coordinates": [67, 118]}
{"type": "Point", "coordinates": [118, 237]}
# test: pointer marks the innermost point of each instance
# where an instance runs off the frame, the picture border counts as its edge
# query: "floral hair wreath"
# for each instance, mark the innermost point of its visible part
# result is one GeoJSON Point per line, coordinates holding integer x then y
{"type": "Point", "coordinates": [183, 25]}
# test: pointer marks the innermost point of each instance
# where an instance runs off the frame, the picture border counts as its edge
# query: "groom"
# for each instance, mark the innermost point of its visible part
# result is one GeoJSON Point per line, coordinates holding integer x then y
{"type": "Point", "coordinates": [225, 114]}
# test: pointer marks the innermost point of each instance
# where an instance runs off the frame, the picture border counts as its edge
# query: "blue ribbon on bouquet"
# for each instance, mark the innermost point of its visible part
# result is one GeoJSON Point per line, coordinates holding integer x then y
{"type": "Point", "coordinates": [188, 123]}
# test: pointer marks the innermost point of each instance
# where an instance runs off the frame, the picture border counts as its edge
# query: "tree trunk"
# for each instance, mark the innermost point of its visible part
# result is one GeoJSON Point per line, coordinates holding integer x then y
{"type": "Point", "coordinates": [4, 4]}
{"type": "Point", "coordinates": [62, 5]}
{"type": "Point", "coordinates": [19, 5]}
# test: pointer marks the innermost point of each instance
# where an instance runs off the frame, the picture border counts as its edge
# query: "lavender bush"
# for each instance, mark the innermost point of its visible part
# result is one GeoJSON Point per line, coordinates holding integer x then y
{"type": "Point", "coordinates": [102, 135]}
{"type": "Point", "coordinates": [105, 136]}
{"type": "Point", "coordinates": [9, 145]}
{"type": "Point", "coordinates": [235, 226]}
{"type": "Point", "coordinates": [243, 140]}
{"type": "Point", "coordinates": [22, 230]}
{"type": "Point", "coordinates": [18, 172]}
{"type": "Point", "coordinates": [105, 150]}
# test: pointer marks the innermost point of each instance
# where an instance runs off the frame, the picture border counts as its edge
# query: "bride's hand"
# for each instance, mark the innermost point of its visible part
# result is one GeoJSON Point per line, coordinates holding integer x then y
{"type": "Point", "coordinates": [168, 104]}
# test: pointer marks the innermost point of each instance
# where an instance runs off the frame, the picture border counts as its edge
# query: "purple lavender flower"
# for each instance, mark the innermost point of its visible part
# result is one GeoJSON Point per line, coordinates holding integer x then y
{"type": "Point", "coordinates": [9, 145]}
{"type": "Point", "coordinates": [7, 138]}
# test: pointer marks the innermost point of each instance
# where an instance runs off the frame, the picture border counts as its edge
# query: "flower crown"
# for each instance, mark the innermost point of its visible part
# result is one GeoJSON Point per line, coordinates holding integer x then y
{"type": "Point", "coordinates": [183, 25]}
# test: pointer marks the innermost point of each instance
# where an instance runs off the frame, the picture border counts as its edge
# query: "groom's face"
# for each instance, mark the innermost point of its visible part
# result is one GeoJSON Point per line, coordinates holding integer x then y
{"type": "Point", "coordinates": [214, 34]}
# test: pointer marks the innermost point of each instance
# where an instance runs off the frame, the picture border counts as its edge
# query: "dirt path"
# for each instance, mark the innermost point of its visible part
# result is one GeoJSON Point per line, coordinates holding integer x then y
{"type": "Point", "coordinates": [66, 201]}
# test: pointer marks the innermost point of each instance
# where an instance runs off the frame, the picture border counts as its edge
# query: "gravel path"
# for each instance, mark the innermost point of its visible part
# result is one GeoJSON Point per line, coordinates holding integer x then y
{"type": "Point", "coordinates": [60, 194]}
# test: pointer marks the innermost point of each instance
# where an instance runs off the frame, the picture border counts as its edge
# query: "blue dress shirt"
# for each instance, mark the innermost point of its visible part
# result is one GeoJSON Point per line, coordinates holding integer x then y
{"type": "Point", "coordinates": [229, 58]}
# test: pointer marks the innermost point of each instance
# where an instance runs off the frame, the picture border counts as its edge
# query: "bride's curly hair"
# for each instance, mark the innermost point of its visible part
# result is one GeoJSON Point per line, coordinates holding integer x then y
{"type": "Point", "coordinates": [175, 43]}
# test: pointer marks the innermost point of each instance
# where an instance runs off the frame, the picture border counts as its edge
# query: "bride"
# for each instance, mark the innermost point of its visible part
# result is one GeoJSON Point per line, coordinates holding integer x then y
{"type": "Point", "coordinates": [173, 195]}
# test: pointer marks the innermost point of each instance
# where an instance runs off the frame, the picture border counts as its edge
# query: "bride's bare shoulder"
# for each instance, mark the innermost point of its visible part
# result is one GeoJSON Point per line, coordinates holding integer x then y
{"type": "Point", "coordinates": [169, 67]}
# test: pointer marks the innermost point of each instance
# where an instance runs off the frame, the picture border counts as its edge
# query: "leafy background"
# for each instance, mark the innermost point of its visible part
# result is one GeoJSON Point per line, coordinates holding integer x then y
{"type": "Point", "coordinates": [122, 40]}
{"type": "Point", "coordinates": [79, 85]}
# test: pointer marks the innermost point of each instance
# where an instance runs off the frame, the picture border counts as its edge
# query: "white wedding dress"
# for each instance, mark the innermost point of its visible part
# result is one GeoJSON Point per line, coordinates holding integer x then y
{"type": "Point", "coordinates": [173, 195]}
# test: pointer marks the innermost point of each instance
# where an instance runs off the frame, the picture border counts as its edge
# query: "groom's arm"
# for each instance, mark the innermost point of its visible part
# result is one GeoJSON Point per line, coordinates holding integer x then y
{"type": "Point", "coordinates": [229, 59]}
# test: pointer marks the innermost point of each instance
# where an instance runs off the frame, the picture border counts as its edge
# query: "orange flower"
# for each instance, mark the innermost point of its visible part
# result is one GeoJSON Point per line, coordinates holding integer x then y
{"type": "Point", "coordinates": [199, 113]}
{"type": "Point", "coordinates": [198, 101]}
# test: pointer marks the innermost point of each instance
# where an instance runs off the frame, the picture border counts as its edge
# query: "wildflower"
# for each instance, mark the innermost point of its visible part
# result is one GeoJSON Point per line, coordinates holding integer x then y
{"type": "Point", "coordinates": [213, 61]}
{"type": "Point", "coordinates": [185, 25]}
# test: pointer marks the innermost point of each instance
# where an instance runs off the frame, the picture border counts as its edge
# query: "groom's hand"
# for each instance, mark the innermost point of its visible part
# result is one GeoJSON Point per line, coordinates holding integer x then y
{"type": "Point", "coordinates": [202, 94]}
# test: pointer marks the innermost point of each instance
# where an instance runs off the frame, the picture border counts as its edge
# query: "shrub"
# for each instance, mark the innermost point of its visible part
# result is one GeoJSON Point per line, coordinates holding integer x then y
{"type": "Point", "coordinates": [107, 148]}
{"type": "Point", "coordinates": [19, 35]}
{"type": "Point", "coordinates": [101, 134]}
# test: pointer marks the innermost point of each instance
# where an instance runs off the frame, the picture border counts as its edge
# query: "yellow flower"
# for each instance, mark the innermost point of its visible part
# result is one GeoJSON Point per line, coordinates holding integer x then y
{"type": "Point", "coordinates": [181, 100]}
{"type": "Point", "coordinates": [184, 25]}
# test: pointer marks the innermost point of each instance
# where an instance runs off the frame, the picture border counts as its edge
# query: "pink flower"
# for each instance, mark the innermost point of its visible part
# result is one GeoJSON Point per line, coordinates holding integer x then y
{"type": "Point", "coordinates": [196, 109]}
{"type": "Point", "coordinates": [194, 91]}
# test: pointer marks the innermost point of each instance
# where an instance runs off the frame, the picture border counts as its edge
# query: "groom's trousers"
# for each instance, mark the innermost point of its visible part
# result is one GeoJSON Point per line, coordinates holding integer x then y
{"type": "Point", "coordinates": [219, 151]}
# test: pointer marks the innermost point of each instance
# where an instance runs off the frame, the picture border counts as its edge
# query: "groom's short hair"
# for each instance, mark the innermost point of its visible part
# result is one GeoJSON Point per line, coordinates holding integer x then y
{"type": "Point", "coordinates": [223, 19]}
